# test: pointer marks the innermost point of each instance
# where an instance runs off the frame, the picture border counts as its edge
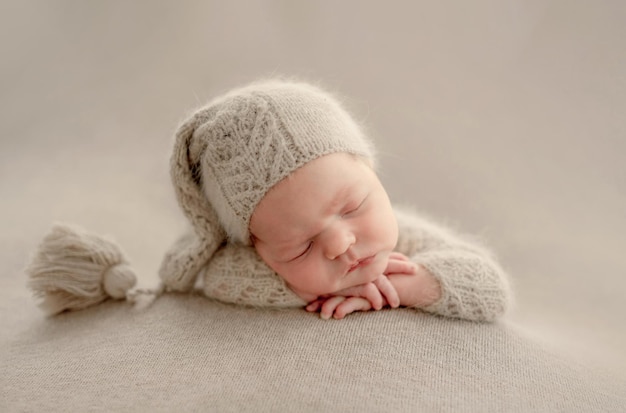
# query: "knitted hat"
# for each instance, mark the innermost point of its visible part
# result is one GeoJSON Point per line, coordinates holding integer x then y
{"type": "Point", "coordinates": [228, 154]}
{"type": "Point", "coordinates": [247, 141]}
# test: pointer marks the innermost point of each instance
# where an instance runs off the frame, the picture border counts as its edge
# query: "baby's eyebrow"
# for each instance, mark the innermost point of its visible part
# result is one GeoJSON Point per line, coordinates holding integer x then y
{"type": "Point", "coordinates": [337, 202]}
{"type": "Point", "coordinates": [339, 198]}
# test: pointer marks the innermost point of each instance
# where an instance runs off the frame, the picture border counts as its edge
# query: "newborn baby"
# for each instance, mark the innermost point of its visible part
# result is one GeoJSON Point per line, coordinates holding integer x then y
{"type": "Point", "coordinates": [279, 185]}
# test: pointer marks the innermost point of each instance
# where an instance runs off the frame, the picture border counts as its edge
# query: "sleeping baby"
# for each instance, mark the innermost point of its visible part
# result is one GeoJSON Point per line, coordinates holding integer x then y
{"type": "Point", "coordinates": [279, 185]}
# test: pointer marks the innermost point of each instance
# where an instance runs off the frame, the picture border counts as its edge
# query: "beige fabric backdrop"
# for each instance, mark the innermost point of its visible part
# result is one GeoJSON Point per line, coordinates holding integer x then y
{"type": "Point", "coordinates": [502, 118]}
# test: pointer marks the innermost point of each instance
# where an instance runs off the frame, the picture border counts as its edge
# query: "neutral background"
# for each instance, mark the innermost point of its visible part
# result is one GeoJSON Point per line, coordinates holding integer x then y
{"type": "Point", "coordinates": [502, 118]}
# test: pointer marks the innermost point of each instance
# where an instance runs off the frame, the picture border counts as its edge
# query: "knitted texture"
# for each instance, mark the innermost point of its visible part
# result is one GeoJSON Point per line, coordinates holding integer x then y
{"type": "Point", "coordinates": [260, 134]}
{"type": "Point", "coordinates": [226, 157]}
{"type": "Point", "coordinates": [473, 286]}
{"type": "Point", "coordinates": [73, 269]}
{"type": "Point", "coordinates": [184, 260]}
{"type": "Point", "coordinates": [237, 275]}
{"type": "Point", "coordinates": [228, 154]}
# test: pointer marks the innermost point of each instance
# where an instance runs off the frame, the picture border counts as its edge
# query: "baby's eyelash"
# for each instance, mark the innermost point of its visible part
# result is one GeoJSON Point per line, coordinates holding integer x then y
{"type": "Point", "coordinates": [308, 248]}
{"type": "Point", "coordinates": [356, 208]}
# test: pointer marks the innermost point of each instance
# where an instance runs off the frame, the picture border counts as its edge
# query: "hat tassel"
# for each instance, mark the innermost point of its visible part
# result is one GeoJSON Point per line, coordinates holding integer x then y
{"type": "Point", "coordinates": [73, 269]}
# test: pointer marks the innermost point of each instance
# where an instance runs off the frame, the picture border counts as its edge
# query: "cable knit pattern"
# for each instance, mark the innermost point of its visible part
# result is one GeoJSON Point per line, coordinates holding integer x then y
{"type": "Point", "coordinates": [259, 135]}
{"type": "Point", "coordinates": [473, 285]}
{"type": "Point", "coordinates": [237, 275]}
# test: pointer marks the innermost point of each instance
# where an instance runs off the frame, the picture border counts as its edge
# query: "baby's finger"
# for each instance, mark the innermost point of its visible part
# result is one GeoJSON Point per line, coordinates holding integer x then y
{"type": "Point", "coordinates": [400, 267]}
{"type": "Point", "coordinates": [351, 305]}
{"type": "Point", "coordinates": [328, 308]}
{"type": "Point", "coordinates": [368, 291]}
{"type": "Point", "coordinates": [394, 255]}
{"type": "Point", "coordinates": [388, 290]}
{"type": "Point", "coordinates": [315, 305]}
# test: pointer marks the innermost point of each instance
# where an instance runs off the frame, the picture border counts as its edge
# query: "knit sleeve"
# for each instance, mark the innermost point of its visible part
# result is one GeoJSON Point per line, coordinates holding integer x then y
{"type": "Point", "coordinates": [473, 285]}
{"type": "Point", "coordinates": [237, 275]}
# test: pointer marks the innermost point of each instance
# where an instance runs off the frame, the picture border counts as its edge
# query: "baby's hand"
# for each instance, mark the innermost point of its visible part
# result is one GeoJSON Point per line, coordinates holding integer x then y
{"type": "Point", "coordinates": [364, 297]}
{"type": "Point", "coordinates": [415, 285]}
{"type": "Point", "coordinates": [400, 264]}
{"type": "Point", "coordinates": [338, 306]}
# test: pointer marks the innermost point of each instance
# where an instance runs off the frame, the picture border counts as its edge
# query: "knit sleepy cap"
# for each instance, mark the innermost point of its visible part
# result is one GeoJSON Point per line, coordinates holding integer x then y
{"type": "Point", "coordinates": [245, 142]}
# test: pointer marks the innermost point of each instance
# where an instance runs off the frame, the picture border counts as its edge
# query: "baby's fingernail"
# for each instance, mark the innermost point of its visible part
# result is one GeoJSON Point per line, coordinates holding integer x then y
{"type": "Point", "coordinates": [324, 316]}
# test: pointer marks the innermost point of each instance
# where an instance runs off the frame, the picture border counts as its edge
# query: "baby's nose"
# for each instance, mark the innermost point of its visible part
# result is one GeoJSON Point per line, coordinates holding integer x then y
{"type": "Point", "coordinates": [339, 243]}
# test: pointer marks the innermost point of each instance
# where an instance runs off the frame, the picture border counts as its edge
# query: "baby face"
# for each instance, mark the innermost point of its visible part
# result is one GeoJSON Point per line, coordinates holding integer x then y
{"type": "Point", "coordinates": [327, 227]}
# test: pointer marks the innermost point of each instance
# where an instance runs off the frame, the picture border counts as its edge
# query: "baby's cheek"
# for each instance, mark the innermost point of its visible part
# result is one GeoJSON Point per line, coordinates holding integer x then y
{"type": "Point", "coordinates": [381, 265]}
{"type": "Point", "coordinates": [303, 277]}
{"type": "Point", "coordinates": [388, 230]}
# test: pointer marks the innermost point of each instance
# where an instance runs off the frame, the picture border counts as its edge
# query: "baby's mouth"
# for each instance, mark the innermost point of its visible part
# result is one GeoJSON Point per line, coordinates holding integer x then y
{"type": "Point", "coordinates": [361, 263]}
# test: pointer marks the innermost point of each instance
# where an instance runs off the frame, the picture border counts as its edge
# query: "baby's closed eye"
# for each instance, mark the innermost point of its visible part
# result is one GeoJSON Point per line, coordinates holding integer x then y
{"type": "Point", "coordinates": [353, 207]}
{"type": "Point", "coordinates": [308, 247]}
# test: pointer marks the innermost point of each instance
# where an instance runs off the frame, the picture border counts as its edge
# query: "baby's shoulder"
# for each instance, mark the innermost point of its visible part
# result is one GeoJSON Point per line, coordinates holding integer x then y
{"type": "Point", "coordinates": [410, 230]}
{"type": "Point", "coordinates": [418, 231]}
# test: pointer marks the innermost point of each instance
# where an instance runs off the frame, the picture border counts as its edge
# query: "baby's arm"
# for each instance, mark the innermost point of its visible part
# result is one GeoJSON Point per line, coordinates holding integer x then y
{"type": "Point", "coordinates": [473, 286]}
{"type": "Point", "coordinates": [236, 274]}
{"type": "Point", "coordinates": [450, 276]}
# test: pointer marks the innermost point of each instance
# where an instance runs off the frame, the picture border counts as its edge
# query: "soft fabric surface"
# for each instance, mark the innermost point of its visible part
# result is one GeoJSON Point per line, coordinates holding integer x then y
{"type": "Point", "coordinates": [188, 354]}
{"type": "Point", "coordinates": [503, 119]}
